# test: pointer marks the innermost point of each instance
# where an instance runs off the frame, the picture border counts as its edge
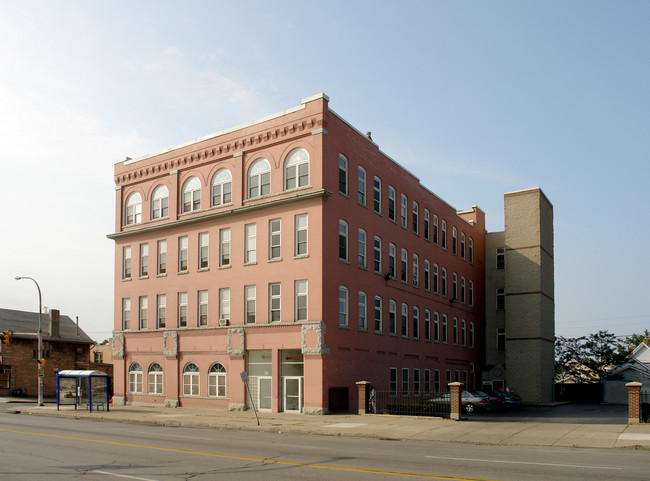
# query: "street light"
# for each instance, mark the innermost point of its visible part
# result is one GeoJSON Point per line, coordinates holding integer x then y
{"type": "Point", "coordinates": [40, 341]}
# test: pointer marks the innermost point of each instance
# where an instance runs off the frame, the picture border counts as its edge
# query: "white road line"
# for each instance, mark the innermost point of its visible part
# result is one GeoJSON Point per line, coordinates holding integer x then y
{"type": "Point", "coordinates": [169, 435]}
{"type": "Point", "coordinates": [525, 462]}
{"type": "Point", "coordinates": [123, 476]}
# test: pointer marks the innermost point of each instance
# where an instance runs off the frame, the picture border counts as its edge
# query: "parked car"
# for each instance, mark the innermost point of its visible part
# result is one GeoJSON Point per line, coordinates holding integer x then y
{"type": "Point", "coordinates": [470, 401]}
{"type": "Point", "coordinates": [505, 400]}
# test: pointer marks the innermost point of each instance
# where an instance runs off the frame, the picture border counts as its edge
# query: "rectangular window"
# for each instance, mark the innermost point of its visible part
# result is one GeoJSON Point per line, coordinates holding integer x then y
{"type": "Point", "coordinates": [224, 247]}
{"type": "Point", "coordinates": [144, 309]}
{"type": "Point", "coordinates": [250, 296]}
{"type": "Point", "coordinates": [162, 257]}
{"type": "Point", "coordinates": [427, 381]}
{"type": "Point", "coordinates": [144, 260]}
{"type": "Point", "coordinates": [403, 211]}
{"type": "Point", "coordinates": [161, 310]}
{"type": "Point", "coordinates": [427, 275]}
{"type": "Point", "coordinates": [471, 251]}
{"type": "Point", "coordinates": [126, 262]}
{"type": "Point", "coordinates": [204, 241]}
{"type": "Point", "coordinates": [362, 186]}
{"type": "Point", "coordinates": [436, 327]}
{"type": "Point", "coordinates": [435, 229]}
{"type": "Point", "coordinates": [405, 320]}
{"type": "Point", "coordinates": [392, 381]}
{"type": "Point", "coordinates": [415, 218]}
{"type": "Point", "coordinates": [392, 317]}
{"type": "Point", "coordinates": [250, 255]}
{"type": "Point", "coordinates": [454, 241]}
{"type": "Point", "coordinates": [416, 322]}
{"type": "Point", "coordinates": [405, 381]}
{"type": "Point", "coordinates": [501, 338]}
{"type": "Point", "coordinates": [427, 325]}
{"type": "Point", "coordinates": [416, 270]}
{"type": "Point", "coordinates": [343, 240]}
{"type": "Point", "coordinates": [391, 203]}
{"type": "Point", "coordinates": [182, 309]}
{"type": "Point", "coordinates": [416, 382]}
{"type": "Point", "coordinates": [343, 175]}
{"type": "Point", "coordinates": [363, 311]}
{"type": "Point", "coordinates": [391, 260]}
{"type": "Point", "coordinates": [361, 248]}
{"type": "Point", "coordinates": [444, 328]}
{"type": "Point", "coordinates": [404, 266]}
{"type": "Point", "coordinates": [378, 327]}
{"type": "Point", "coordinates": [274, 302]}
{"type": "Point", "coordinates": [301, 235]}
{"type": "Point", "coordinates": [377, 255]}
{"type": "Point", "coordinates": [343, 307]}
{"type": "Point", "coordinates": [377, 195]}
{"type": "Point", "coordinates": [275, 239]}
{"type": "Point", "coordinates": [501, 299]}
{"type": "Point", "coordinates": [501, 258]}
{"type": "Point", "coordinates": [444, 282]}
{"type": "Point", "coordinates": [182, 254]}
{"type": "Point", "coordinates": [126, 314]}
{"type": "Point", "coordinates": [463, 297]}
{"type": "Point", "coordinates": [471, 335]}
{"type": "Point", "coordinates": [455, 331]}
{"type": "Point", "coordinates": [224, 306]}
{"type": "Point", "coordinates": [202, 308]}
{"type": "Point", "coordinates": [463, 332]}
{"type": "Point", "coordinates": [462, 245]}
{"type": "Point", "coordinates": [443, 240]}
{"type": "Point", "coordinates": [448, 377]}
{"type": "Point", "coordinates": [435, 279]}
{"type": "Point", "coordinates": [301, 300]}
{"type": "Point", "coordinates": [427, 228]}
{"type": "Point", "coordinates": [454, 286]}
{"type": "Point", "coordinates": [436, 381]}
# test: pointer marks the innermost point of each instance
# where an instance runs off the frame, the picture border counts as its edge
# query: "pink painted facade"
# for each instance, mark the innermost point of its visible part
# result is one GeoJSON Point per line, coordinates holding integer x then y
{"type": "Point", "coordinates": [304, 241]}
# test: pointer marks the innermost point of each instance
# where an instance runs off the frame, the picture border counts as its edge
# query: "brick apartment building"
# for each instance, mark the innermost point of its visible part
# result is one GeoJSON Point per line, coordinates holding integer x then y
{"type": "Point", "coordinates": [293, 249]}
{"type": "Point", "coordinates": [65, 346]}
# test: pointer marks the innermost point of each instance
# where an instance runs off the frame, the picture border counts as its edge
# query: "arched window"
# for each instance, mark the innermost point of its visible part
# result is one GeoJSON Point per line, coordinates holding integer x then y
{"type": "Point", "coordinates": [135, 378]}
{"type": "Point", "coordinates": [160, 202]}
{"type": "Point", "coordinates": [191, 380]}
{"type": "Point", "coordinates": [221, 187]}
{"type": "Point", "coordinates": [217, 380]}
{"type": "Point", "coordinates": [259, 178]}
{"type": "Point", "coordinates": [134, 209]}
{"type": "Point", "coordinates": [155, 379]}
{"type": "Point", "coordinates": [191, 195]}
{"type": "Point", "coordinates": [296, 169]}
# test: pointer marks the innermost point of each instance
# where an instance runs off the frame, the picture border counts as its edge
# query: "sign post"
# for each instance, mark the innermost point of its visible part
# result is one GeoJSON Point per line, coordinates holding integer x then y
{"type": "Point", "coordinates": [244, 378]}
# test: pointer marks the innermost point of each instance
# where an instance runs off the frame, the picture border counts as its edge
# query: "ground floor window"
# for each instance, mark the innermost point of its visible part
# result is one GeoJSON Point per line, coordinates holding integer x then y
{"type": "Point", "coordinates": [5, 377]}
{"type": "Point", "coordinates": [135, 378]}
{"type": "Point", "coordinates": [155, 379]}
{"type": "Point", "coordinates": [191, 380]}
{"type": "Point", "coordinates": [217, 380]}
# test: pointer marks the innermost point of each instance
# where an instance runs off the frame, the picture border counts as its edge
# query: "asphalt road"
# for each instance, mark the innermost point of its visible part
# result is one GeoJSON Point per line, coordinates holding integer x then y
{"type": "Point", "coordinates": [43, 448]}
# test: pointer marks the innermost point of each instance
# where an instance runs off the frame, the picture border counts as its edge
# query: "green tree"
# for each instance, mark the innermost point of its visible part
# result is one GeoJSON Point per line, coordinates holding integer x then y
{"type": "Point", "coordinates": [626, 346]}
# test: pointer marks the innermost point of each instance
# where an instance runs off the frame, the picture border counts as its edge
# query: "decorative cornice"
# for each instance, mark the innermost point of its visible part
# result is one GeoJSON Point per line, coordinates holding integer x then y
{"type": "Point", "coordinates": [212, 214]}
{"type": "Point", "coordinates": [215, 152]}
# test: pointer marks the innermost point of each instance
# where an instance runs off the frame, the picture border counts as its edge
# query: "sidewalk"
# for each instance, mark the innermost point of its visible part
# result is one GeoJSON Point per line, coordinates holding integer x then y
{"type": "Point", "coordinates": [474, 431]}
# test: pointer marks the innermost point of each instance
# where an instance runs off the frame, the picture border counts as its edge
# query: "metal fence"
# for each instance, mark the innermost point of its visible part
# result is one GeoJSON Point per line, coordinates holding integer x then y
{"type": "Point", "coordinates": [645, 407]}
{"type": "Point", "coordinates": [408, 403]}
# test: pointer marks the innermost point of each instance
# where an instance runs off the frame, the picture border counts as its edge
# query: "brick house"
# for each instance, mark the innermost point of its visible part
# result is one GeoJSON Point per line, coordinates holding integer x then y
{"type": "Point", "coordinates": [291, 248]}
{"type": "Point", "coordinates": [65, 346]}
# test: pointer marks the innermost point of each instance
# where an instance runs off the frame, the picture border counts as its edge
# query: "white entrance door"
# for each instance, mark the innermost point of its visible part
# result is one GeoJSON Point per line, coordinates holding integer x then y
{"type": "Point", "coordinates": [264, 385]}
{"type": "Point", "coordinates": [293, 394]}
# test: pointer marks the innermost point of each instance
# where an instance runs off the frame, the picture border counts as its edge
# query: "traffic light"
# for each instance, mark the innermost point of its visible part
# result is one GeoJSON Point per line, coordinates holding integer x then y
{"type": "Point", "coordinates": [6, 337]}
{"type": "Point", "coordinates": [41, 362]}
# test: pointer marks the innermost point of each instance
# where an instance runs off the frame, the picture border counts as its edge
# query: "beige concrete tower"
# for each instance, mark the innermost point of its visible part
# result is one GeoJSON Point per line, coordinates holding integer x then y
{"type": "Point", "coordinates": [520, 281]}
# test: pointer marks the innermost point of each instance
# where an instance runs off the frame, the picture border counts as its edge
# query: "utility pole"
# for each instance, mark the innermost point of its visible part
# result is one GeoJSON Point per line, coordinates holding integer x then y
{"type": "Point", "coordinates": [41, 372]}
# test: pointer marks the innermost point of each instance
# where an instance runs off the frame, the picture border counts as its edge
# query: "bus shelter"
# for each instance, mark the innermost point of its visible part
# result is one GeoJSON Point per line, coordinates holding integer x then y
{"type": "Point", "coordinates": [87, 389]}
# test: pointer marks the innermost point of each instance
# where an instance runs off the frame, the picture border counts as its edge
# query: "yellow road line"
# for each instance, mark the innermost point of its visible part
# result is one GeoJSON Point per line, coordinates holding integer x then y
{"type": "Point", "coordinates": [247, 458]}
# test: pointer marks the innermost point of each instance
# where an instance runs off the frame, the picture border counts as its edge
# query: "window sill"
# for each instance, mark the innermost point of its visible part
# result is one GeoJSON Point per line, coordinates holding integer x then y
{"type": "Point", "coordinates": [379, 333]}
{"type": "Point", "coordinates": [161, 275]}
{"type": "Point", "coordinates": [225, 267]}
{"type": "Point", "coordinates": [126, 279]}
{"type": "Point", "coordinates": [203, 269]}
{"type": "Point", "coordinates": [363, 268]}
{"type": "Point", "coordinates": [144, 277]}
{"type": "Point", "coordinates": [301, 256]}
{"type": "Point", "coordinates": [276, 259]}
{"type": "Point", "coordinates": [344, 261]}
{"type": "Point", "coordinates": [253, 263]}
{"type": "Point", "coordinates": [182, 273]}
{"type": "Point", "coordinates": [347, 328]}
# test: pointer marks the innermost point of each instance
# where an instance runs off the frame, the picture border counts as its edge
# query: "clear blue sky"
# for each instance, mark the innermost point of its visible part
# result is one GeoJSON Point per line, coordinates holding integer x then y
{"type": "Point", "coordinates": [475, 98]}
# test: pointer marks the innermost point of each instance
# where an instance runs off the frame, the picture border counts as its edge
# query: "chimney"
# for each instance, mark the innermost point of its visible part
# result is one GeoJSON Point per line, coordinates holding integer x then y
{"type": "Point", "coordinates": [54, 322]}
{"type": "Point", "coordinates": [645, 340]}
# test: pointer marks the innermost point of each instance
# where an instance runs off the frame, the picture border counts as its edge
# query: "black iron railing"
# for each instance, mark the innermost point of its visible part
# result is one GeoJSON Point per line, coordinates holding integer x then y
{"type": "Point", "coordinates": [645, 407]}
{"type": "Point", "coordinates": [408, 403]}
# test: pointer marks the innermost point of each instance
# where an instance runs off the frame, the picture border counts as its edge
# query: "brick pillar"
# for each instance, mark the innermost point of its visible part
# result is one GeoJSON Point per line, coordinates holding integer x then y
{"type": "Point", "coordinates": [363, 387]}
{"type": "Point", "coordinates": [454, 395]}
{"type": "Point", "coordinates": [633, 402]}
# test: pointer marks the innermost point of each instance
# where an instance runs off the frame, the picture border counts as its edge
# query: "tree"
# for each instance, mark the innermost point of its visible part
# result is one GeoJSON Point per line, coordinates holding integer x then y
{"type": "Point", "coordinates": [586, 359]}
{"type": "Point", "coordinates": [601, 354]}
{"type": "Point", "coordinates": [568, 350]}
{"type": "Point", "coordinates": [625, 347]}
